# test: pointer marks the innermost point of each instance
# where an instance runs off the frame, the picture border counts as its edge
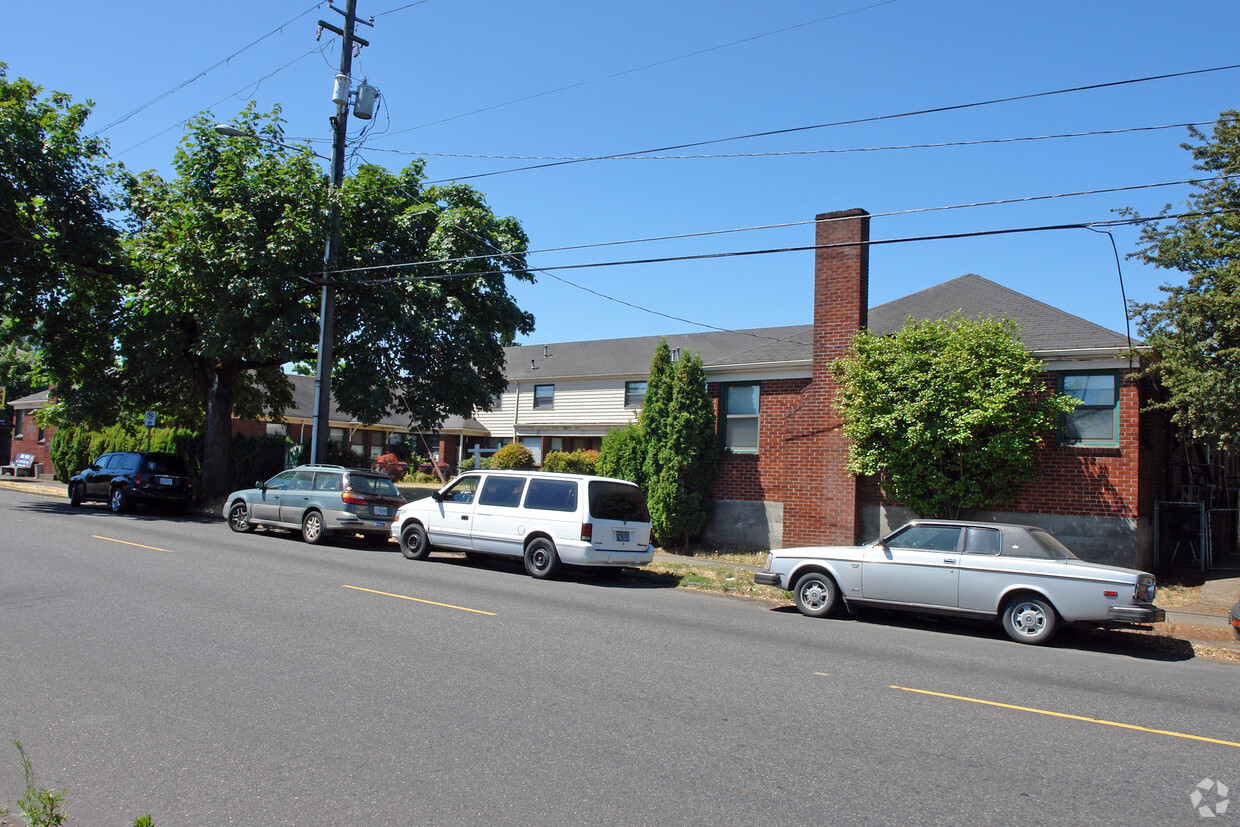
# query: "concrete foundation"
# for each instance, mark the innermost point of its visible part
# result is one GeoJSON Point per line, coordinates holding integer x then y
{"type": "Point", "coordinates": [747, 524]}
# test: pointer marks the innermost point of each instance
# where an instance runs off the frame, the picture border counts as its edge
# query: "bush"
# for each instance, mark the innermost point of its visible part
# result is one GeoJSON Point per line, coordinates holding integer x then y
{"type": "Point", "coordinates": [513, 457]}
{"type": "Point", "coordinates": [391, 465]}
{"type": "Point", "coordinates": [624, 451]}
{"type": "Point", "coordinates": [577, 462]}
{"type": "Point", "coordinates": [73, 448]}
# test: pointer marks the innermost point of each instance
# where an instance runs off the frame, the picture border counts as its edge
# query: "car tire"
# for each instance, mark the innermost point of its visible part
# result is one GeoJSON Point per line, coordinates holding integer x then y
{"type": "Point", "coordinates": [1029, 619]}
{"type": "Point", "coordinates": [312, 528]}
{"type": "Point", "coordinates": [816, 594]}
{"type": "Point", "coordinates": [541, 559]}
{"type": "Point", "coordinates": [239, 518]}
{"type": "Point", "coordinates": [75, 494]}
{"type": "Point", "coordinates": [118, 500]}
{"type": "Point", "coordinates": [413, 542]}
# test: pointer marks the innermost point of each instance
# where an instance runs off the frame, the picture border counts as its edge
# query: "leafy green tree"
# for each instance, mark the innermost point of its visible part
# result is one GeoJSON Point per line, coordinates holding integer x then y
{"type": "Point", "coordinates": [230, 253]}
{"type": "Point", "coordinates": [688, 460]}
{"type": "Point", "coordinates": [20, 373]}
{"type": "Point", "coordinates": [61, 270]}
{"type": "Point", "coordinates": [950, 414]}
{"type": "Point", "coordinates": [1195, 330]}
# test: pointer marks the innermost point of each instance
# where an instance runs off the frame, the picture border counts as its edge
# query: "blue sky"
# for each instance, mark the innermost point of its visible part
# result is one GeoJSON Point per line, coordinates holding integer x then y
{"type": "Point", "coordinates": [640, 75]}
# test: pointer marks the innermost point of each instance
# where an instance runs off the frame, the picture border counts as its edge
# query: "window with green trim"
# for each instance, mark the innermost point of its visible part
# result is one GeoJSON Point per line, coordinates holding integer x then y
{"type": "Point", "coordinates": [1095, 421]}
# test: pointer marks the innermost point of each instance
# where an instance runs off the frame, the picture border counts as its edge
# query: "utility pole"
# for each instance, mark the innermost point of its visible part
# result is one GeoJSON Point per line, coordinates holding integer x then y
{"type": "Point", "coordinates": [331, 256]}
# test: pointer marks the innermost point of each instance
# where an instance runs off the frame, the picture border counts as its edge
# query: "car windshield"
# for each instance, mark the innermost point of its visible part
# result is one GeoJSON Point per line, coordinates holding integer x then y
{"type": "Point", "coordinates": [372, 485]}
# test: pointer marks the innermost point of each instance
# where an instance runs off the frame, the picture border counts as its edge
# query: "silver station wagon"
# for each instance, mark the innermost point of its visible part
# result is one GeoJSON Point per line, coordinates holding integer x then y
{"type": "Point", "coordinates": [1020, 574]}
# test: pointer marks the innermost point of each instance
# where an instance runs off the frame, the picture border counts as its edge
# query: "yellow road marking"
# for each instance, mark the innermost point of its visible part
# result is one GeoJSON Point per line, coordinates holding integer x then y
{"type": "Point", "coordinates": [127, 543]}
{"type": "Point", "coordinates": [1071, 717]}
{"type": "Point", "coordinates": [420, 600]}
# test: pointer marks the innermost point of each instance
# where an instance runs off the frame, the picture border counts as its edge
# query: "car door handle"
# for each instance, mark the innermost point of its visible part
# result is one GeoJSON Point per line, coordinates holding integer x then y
{"type": "Point", "coordinates": [464, 516]}
{"type": "Point", "coordinates": [949, 562]}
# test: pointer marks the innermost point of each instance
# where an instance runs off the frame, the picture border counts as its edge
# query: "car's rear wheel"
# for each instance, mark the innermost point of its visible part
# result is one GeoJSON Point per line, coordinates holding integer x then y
{"type": "Point", "coordinates": [413, 542]}
{"type": "Point", "coordinates": [541, 560]}
{"type": "Point", "coordinates": [239, 518]}
{"type": "Point", "coordinates": [75, 494]}
{"type": "Point", "coordinates": [312, 528]}
{"type": "Point", "coordinates": [119, 500]}
{"type": "Point", "coordinates": [815, 594]}
{"type": "Point", "coordinates": [1029, 619]}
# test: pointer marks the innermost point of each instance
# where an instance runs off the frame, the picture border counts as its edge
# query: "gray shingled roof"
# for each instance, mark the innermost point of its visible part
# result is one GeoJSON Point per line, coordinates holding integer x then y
{"type": "Point", "coordinates": [1043, 328]}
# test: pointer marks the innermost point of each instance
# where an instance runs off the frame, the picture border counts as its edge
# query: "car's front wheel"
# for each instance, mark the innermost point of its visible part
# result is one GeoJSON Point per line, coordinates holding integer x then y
{"type": "Point", "coordinates": [239, 518]}
{"type": "Point", "coordinates": [1029, 619]}
{"type": "Point", "coordinates": [413, 542]}
{"type": "Point", "coordinates": [119, 500]}
{"type": "Point", "coordinates": [75, 494]}
{"type": "Point", "coordinates": [312, 528]}
{"type": "Point", "coordinates": [815, 594]}
{"type": "Point", "coordinates": [541, 560]}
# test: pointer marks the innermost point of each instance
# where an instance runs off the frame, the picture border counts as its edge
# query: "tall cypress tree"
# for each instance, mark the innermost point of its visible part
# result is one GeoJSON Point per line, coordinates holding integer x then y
{"type": "Point", "coordinates": [656, 408]}
{"type": "Point", "coordinates": [688, 458]}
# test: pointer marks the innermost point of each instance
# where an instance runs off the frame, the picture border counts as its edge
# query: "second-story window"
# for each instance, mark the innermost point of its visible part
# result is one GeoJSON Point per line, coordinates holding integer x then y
{"type": "Point", "coordinates": [634, 394]}
{"type": "Point", "coordinates": [544, 396]}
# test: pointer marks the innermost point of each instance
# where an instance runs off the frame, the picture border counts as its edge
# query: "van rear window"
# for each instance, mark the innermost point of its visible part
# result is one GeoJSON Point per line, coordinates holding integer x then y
{"type": "Point", "coordinates": [617, 501]}
{"type": "Point", "coordinates": [552, 495]}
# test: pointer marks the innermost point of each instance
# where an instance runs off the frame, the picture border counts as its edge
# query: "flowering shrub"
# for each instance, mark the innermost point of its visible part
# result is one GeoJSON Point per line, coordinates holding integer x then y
{"type": "Point", "coordinates": [392, 466]}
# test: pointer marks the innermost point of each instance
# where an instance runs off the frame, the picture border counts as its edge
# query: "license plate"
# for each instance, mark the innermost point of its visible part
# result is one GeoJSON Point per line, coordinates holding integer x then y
{"type": "Point", "coordinates": [624, 536]}
{"type": "Point", "coordinates": [380, 510]}
{"type": "Point", "coordinates": [165, 480]}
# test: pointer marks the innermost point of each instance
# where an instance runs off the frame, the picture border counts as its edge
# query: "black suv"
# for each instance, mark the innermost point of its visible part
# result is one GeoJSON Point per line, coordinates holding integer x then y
{"type": "Point", "coordinates": [127, 478]}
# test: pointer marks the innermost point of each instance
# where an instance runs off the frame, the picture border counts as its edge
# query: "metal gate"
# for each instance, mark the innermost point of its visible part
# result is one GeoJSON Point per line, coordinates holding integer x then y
{"type": "Point", "coordinates": [1180, 535]}
{"type": "Point", "coordinates": [1223, 538]}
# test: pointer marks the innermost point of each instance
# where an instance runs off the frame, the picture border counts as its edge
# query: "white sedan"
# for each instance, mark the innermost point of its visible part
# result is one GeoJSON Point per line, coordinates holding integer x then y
{"type": "Point", "coordinates": [1020, 574]}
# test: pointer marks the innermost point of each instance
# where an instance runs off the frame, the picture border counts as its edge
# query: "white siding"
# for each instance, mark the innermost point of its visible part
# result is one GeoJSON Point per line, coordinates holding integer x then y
{"type": "Point", "coordinates": [581, 406]}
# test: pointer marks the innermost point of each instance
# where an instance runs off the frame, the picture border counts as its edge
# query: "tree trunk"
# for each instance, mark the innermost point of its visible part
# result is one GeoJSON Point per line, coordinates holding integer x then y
{"type": "Point", "coordinates": [217, 443]}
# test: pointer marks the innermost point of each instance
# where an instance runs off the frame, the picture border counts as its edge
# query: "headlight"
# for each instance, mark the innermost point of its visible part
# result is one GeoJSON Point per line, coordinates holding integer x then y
{"type": "Point", "coordinates": [766, 564]}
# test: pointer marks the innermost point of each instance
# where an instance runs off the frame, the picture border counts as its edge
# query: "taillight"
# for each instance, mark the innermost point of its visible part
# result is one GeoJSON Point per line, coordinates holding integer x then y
{"type": "Point", "coordinates": [587, 532]}
{"type": "Point", "coordinates": [353, 499]}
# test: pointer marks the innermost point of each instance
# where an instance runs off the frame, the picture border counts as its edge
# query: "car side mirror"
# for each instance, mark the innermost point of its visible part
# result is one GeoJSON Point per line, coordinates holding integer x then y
{"type": "Point", "coordinates": [437, 496]}
{"type": "Point", "coordinates": [260, 485]}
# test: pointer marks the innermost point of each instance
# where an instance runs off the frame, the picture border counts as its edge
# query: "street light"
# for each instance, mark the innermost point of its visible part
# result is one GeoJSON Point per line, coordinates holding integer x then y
{"type": "Point", "coordinates": [327, 304]}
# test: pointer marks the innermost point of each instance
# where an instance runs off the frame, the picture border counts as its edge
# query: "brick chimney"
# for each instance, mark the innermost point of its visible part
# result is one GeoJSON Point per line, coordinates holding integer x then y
{"type": "Point", "coordinates": [820, 503]}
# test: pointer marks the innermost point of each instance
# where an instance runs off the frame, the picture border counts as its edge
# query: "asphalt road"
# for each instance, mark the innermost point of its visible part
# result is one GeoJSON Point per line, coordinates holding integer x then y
{"type": "Point", "coordinates": [166, 665]}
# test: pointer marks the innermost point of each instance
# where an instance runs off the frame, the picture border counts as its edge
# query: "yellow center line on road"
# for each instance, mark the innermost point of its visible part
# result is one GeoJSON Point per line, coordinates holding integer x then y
{"type": "Point", "coordinates": [1071, 717]}
{"type": "Point", "coordinates": [420, 600]}
{"type": "Point", "coordinates": [127, 543]}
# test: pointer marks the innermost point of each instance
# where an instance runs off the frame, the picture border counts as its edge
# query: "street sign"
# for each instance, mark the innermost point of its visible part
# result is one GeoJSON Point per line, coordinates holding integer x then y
{"type": "Point", "coordinates": [151, 419]}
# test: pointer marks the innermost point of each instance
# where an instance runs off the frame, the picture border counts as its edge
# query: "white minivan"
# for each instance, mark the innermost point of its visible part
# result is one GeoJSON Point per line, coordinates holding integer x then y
{"type": "Point", "coordinates": [545, 519]}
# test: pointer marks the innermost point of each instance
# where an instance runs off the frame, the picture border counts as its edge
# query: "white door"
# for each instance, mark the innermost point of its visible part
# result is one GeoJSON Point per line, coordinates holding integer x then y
{"type": "Point", "coordinates": [449, 522]}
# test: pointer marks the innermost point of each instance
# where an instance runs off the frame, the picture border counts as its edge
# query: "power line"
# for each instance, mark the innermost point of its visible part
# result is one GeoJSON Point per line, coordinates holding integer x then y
{"type": "Point", "coordinates": [851, 122]}
{"type": "Point", "coordinates": [255, 84]}
{"type": "Point", "coordinates": [642, 68]}
{"type": "Point", "coordinates": [791, 224]}
{"type": "Point", "coordinates": [203, 73]}
{"type": "Point", "coordinates": [794, 152]}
